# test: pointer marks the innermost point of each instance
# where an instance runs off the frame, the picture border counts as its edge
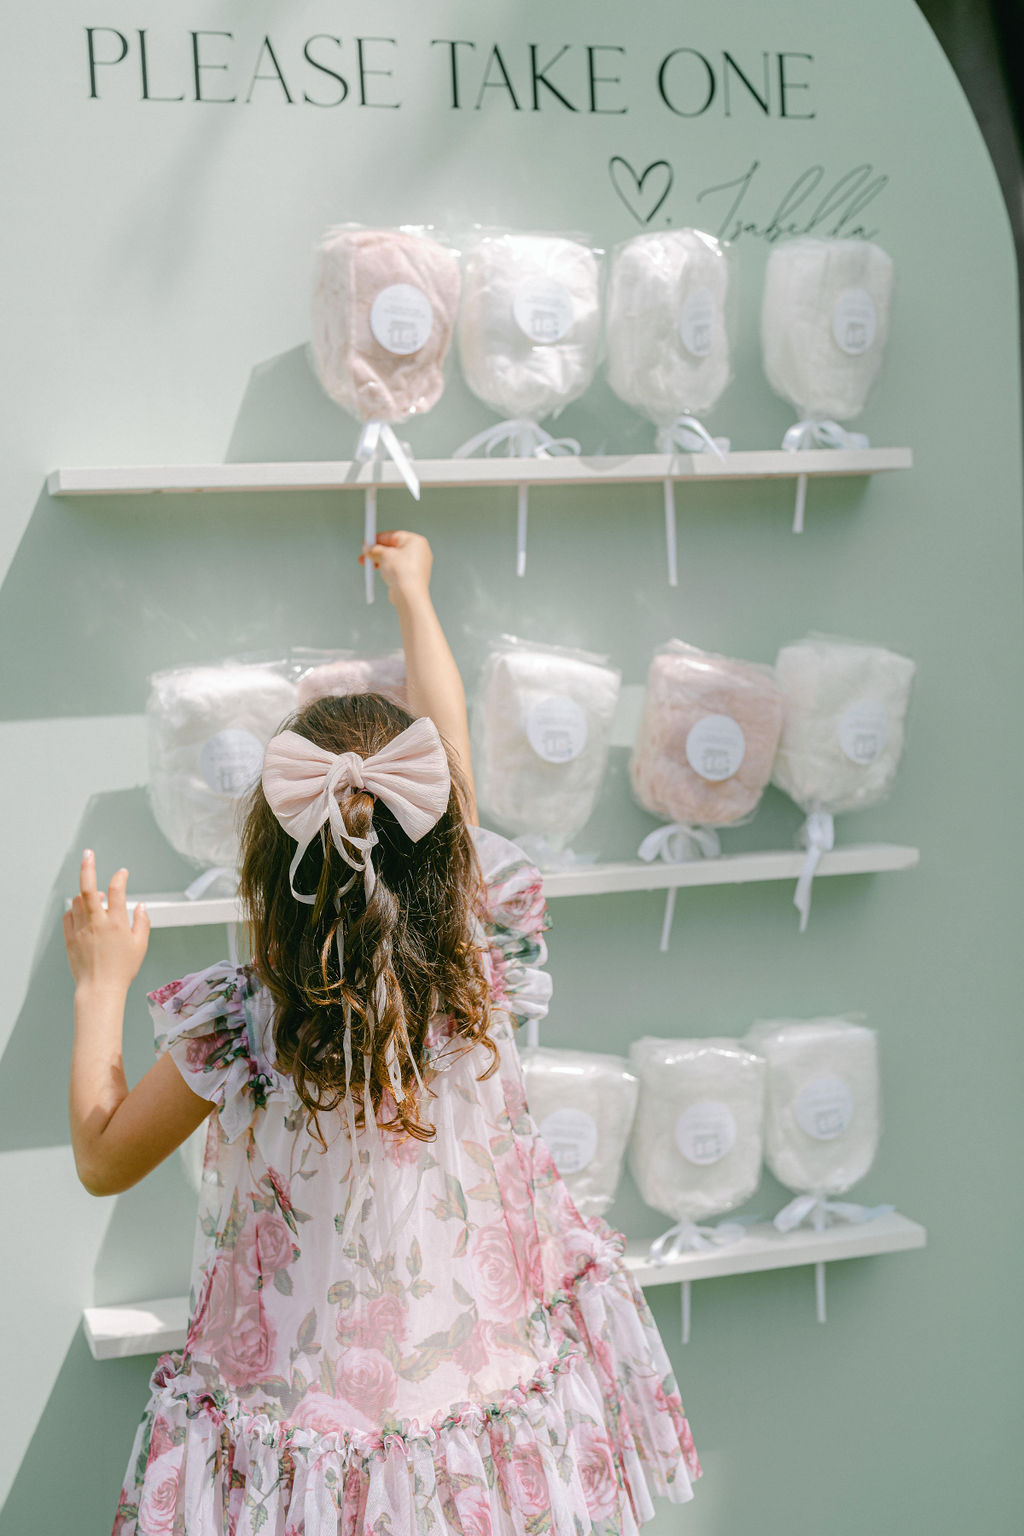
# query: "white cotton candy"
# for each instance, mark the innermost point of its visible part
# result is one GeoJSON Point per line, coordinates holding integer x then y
{"type": "Point", "coordinates": [529, 322]}
{"type": "Point", "coordinates": [542, 725]}
{"type": "Point", "coordinates": [824, 323]}
{"type": "Point", "coordinates": [583, 1104]}
{"type": "Point", "coordinates": [666, 332]}
{"type": "Point", "coordinates": [695, 1151]}
{"type": "Point", "coordinates": [822, 1111]}
{"type": "Point", "coordinates": [384, 303]}
{"type": "Point", "coordinates": [340, 673]}
{"type": "Point", "coordinates": [844, 723]}
{"type": "Point", "coordinates": [707, 736]}
{"type": "Point", "coordinates": [208, 728]}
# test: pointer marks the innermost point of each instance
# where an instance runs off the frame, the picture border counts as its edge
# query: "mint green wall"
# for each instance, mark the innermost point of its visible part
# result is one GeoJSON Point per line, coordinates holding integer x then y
{"type": "Point", "coordinates": [157, 267]}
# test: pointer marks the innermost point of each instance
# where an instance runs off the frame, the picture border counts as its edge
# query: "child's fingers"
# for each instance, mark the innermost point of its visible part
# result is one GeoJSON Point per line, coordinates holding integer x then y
{"type": "Point", "coordinates": [117, 904]}
{"type": "Point", "coordinates": [87, 880]}
{"type": "Point", "coordinates": [140, 924]}
{"type": "Point", "coordinates": [395, 537]}
{"type": "Point", "coordinates": [68, 923]}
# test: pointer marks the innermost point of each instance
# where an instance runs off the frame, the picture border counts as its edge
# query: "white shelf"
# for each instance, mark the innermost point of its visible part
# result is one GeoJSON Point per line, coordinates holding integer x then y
{"type": "Point", "coordinates": [146, 1328]}
{"type": "Point", "coordinates": [729, 869]}
{"type": "Point", "coordinates": [170, 909]}
{"type": "Point", "coordinates": [151, 1327]}
{"type": "Point", "coordinates": [607, 469]}
{"type": "Point", "coordinates": [765, 1248]}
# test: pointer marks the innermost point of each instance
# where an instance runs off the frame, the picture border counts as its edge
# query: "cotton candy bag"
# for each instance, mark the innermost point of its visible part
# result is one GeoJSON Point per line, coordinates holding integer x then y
{"type": "Point", "coordinates": [825, 322]}
{"type": "Point", "coordinates": [843, 733]}
{"type": "Point", "coordinates": [822, 1118]}
{"type": "Point", "coordinates": [823, 1114]}
{"type": "Point", "coordinates": [667, 324]}
{"type": "Point", "coordinates": [529, 336]}
{"type": "Point", "coordinates": [583, 1103]}
{"type": "Point", "coordinates": [695, 1151]}
{"type": "Point", "coordinates": [668, 338]}
{"type": "Point", "coordinates": [384, 305]}
{"type": "Point", "coordinates": [707, 737]}
{"type": "Point", "coordinates": [541, 726]}
{"type": "Point", "coordinates": [529, 326]}
{"type": "Point", "coordinates": [327, 674]}
{"type": "Point", "coordinates": [207, 729]}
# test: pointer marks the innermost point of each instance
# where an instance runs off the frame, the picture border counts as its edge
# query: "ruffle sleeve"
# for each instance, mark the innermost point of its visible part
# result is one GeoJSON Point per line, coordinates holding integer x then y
{"type": "Point", "coordinates": [208, 1024]}
{"type": "Point", "coordinates": [515, 920]}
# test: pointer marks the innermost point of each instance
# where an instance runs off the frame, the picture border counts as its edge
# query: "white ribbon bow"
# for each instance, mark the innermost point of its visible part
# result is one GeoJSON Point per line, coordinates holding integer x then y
{"type": "Point", "coordinates": [684, 435]}
{"type": "Point", "coordinates": [209, 877]}
{"type": "Point", "coordinates": [818, 1209]}
{"type": "Point", "coordinates": [677, 843]}
{"type": "Point", "coordinates": [524, 439]}
{"type": "Point", "coordinates": [816, 434]}
{"type": "Point", "coordinates": [687, 1237]}
{"type": "Point", "coordinates": [818, 835]}
{"type": "Point", "coordinates": [375, 440]}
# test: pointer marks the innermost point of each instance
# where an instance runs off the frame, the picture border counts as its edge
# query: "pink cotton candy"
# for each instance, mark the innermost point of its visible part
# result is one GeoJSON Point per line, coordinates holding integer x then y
{"type": "Point", "coordinates": [707, 737]}
{"type": "Point", "coordinates": [383, 364]}
{"type": "Point", "coordinates": [345, 673]}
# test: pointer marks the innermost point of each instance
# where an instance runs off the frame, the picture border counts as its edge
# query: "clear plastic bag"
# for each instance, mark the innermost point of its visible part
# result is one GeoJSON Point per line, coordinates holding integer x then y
{"type": "Point", "coordinates": [542, 726]}
{"type": "Point", "coordinates": [696, 1146]}
{"type": "Point", "coordinates": [384, 305]}
{"type": "Point", "coordinates": [707, 738]}
{"type": "Point", "coordinates": [668, 323]}
{"type": "Point", "coordinates": [583, 1104]}
{"type": "Point", "coordinates": [823, 1113]}
{"type": "Point", "coordinates": [208, 728]}
{"type": "Point", "coordinates": [529, 328]}
{"type": "Point", "coordinates": [327, 674]}
{"type": "Point", "coordinates": [844, 722]}
{"type": "Point", "coordinates": [825, 322]}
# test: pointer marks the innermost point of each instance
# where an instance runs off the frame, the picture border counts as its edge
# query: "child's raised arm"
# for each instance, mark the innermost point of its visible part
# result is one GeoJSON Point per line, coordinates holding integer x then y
{"type": "Point", "coordinates": [433, 683]}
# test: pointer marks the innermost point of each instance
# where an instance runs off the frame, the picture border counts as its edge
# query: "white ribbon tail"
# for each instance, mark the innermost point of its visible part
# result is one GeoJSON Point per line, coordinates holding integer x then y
{"type": "Point", "coordinates": [812, 433]}
{"type": "Point", "coordinates": [819, 836]}
{"type": "Point", "coordinates": [369, 538]}
{"type": "Point", "coordinates": [671, 554]}
{"type": "Point", "coordinates": [532, 1034]}
{"type": "Point", "coordinates": [209, 877]}
{"type": "Point", "coordinates": [668, 919]}
{"type": "Point", "coordinates": [686, 1236]}
{"type": "Point", "coordinates": [522, 439]}
{"type": "Point", "coordinates": [685, 1294]}
{"type": "Point", "coordinates": [801, 503]}
{"type": "Point", "coordinates": [677, 843]}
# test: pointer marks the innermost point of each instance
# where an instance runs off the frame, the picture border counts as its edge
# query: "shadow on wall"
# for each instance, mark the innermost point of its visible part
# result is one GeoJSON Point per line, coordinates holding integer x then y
{"type": "Point", "coordinates": [61, 1475]}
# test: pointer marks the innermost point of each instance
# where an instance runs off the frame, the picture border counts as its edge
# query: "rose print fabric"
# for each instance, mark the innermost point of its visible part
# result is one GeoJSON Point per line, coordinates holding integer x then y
{"type": "Point", "coordinates": [396, 1337]}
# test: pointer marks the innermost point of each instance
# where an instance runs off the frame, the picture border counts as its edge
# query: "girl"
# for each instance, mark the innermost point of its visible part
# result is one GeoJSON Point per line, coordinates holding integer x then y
{"type": "Point", "coordinates": [399, 1323]}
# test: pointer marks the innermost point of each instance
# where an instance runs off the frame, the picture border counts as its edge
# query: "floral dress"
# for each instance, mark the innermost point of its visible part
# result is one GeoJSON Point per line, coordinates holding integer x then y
{"type": "Point", "coordinates": [398, 1337]}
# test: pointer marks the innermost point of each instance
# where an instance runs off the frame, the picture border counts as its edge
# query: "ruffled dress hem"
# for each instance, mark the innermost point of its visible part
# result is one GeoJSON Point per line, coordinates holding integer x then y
{"type": "Point", "coordinates": [575, 1450]}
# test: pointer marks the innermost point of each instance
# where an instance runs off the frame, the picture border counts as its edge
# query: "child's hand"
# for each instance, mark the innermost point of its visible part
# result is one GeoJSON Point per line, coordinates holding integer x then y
{"type": "Point", "coordinates": [104, 949]}
{"type": "Point", "coordinates": [404, 560]}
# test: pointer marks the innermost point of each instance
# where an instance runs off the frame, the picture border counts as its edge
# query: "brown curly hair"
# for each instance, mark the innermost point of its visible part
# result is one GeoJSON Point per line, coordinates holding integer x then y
{"type": "Point", "coordinates": [412, 942]}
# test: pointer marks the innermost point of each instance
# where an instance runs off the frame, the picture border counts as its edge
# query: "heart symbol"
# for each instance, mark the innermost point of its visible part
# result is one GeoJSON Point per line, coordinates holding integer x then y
{"type": "Point", "coordinates": [631, 190]}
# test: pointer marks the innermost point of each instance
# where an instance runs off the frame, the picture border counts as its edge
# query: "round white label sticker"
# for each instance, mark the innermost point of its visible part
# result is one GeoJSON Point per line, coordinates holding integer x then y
{"type": "Point", "coordinates": [715, 747]}
{"type": "Point", "coordinates": [556, 728]}
{"type": "Point", "coordinates": [542, 309]}
{"type": "Point", "coordinates": [864, 730]}
{"type": "Point", "coordinates": [854, 321]}
{"type": "Point", "coordinates": [571, 1138]}
{"type": "Point", "coordinates": [401, 318]}
{"type": "Point", "coordinates": [706, 1132]}
{"type": "Point", "coordinates": [231, 762]}
{"type": "Point", "coordinates": [823, 1108]}
{"type": "Point", "coordinates": [697, 323]}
